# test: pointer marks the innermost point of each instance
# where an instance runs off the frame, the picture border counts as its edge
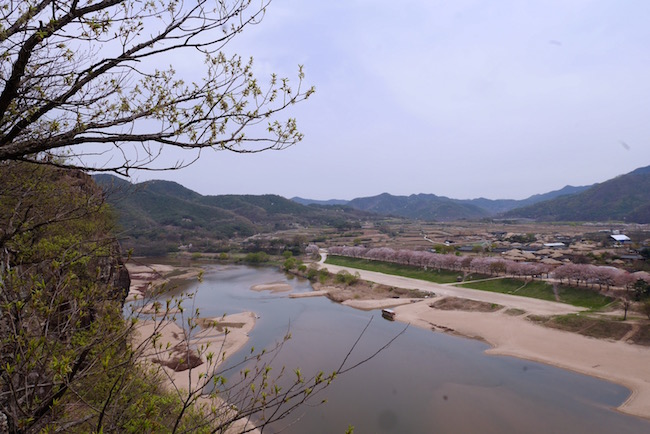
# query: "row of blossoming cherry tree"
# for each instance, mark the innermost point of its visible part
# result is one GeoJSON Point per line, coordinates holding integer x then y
{"type": "Point", "coordinates": [576, 274]}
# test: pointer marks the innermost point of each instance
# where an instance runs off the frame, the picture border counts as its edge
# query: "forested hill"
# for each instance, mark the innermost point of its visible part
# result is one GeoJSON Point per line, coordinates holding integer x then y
{"type": "Point", "coordinates": [419, 206]}
{"type": "Point", "coordinates": [439, 208]}
{"type": "Point", "coordinates": [624, 198]}
{"type": "Point", "coordinates": [303, 201]}
{"type": "Point", "coordinates": [496, 206]}
{"type": "Point", "coordinates": [158, 216]}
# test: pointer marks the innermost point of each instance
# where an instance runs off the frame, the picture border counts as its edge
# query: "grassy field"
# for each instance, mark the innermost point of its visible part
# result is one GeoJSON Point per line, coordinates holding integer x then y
{"type": "Point", "coordinates": [534, 289]}
{"type": "Point", "coordinates": [582, 297]}
{"type": "Point", "coordinates": [443, 276]}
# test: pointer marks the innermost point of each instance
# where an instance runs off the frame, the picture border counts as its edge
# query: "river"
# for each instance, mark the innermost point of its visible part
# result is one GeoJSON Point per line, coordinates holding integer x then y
{"type": "Point", "coordinates": [424, 382]}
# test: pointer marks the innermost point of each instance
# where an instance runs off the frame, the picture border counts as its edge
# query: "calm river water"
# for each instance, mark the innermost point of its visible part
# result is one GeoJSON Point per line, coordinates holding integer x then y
{"type": "Point", "coordinates": [425, 382]}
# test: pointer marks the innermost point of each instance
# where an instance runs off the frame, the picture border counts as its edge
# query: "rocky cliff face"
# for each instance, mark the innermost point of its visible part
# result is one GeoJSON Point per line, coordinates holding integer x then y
{"type": "Point", "coordinates": [110, 268]}
{"type": "Point", "coordinates": [113, 273]}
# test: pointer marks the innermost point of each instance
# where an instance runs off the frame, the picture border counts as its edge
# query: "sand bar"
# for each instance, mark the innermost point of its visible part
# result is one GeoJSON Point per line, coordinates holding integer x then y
{"type": "Point", "coordinates": [145, 277]}
{"type": "Point", "coordinates": [273, 287]}
{"type": "Point", "coordinates": [378, 304]}
{"type": "Point", "coordinates": [309, 294]}
{"type": "Point", "coordinates": [212, 337]}
{"type": "Point", "coordinates": [172, 335]}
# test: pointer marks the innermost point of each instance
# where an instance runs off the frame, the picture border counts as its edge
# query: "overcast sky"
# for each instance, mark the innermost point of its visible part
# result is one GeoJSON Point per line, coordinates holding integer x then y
{"type": "Point", "coordinates": [462, 98]}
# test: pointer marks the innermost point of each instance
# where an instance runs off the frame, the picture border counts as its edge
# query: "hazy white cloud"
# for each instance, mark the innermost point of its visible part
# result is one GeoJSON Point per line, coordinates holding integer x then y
{"type": "Point", "coordinates": [465, 98]}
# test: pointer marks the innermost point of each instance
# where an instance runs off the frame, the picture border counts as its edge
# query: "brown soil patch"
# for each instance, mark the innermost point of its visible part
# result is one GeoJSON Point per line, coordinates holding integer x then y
{"type": "Point", "coordinates": [642, 336]}
{"type": "Point", "coordinates": [514, 312]}
{"type": "Point", "coordinates": [444, 329]}
{"type": "Point", "coordinates": [586, 326]}
{"type": "Point", "coordinates": [181, 358]}
{"type": "Point", "coordinates": [454, 303]}
{"type": "Point", "coordinates": [363, 290]}
{"type": "Point", "coordinates": [218, 325]}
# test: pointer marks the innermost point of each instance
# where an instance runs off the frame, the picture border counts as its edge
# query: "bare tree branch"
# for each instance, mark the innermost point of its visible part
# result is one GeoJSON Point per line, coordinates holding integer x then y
{"type": "Point", "coordinates": [85, 73]}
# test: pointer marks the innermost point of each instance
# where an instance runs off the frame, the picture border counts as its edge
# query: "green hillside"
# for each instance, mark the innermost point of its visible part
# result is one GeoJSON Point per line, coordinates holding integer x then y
{"type": "Point", "coordinates": [159, 216]}
{"type": "Point", "coordinates": [419, 206]}
{"type": "Point", "coordinates": [624, 198]}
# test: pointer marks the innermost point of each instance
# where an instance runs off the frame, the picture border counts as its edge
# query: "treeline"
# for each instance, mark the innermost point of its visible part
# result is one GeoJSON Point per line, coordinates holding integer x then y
{"type": "Point", "coordinates": [573, 274]}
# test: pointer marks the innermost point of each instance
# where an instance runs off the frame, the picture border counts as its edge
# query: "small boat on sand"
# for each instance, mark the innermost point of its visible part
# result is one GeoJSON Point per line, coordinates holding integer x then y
{"type": "Point", "coordinates": [389, 314]}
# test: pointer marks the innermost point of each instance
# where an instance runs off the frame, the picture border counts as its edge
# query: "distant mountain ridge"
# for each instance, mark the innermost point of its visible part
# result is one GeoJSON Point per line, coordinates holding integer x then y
{"type": "Point", "coordinates": [431, 207]}
{"type": "Point", "coordinates": [303, 201]}
{"type": "Point", "coordinates": [499, 206]}
{"type": "Point", "coordinates": [164, 214]}
{"type": "Point", "coordinates": [624, 198]}
{"type": "Point", "coordinates": [419, 206]}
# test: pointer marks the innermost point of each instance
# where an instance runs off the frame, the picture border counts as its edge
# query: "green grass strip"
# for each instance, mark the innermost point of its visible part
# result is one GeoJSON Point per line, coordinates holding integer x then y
{"type": "Point", "coordinates": [582, 297]}
{"type": "Point", "coordinates": [536, 289]}
{"type": "Point", "coordinates": [442, 276]}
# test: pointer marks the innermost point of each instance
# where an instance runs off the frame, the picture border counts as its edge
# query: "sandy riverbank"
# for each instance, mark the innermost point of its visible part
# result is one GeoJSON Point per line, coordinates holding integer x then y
{"type": "Point", "coordinates": [515, 336]}
{"type": "Point", "coordinates": [618, 362]}
{"type": "Point", "coordinates": [172, 342]}
{"type": "Point", "coordinates": [378, 304]}
{"type": "Point", "coordinates": [145, 277]}
{"type": "Point", "coordinates": [173, 346]}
